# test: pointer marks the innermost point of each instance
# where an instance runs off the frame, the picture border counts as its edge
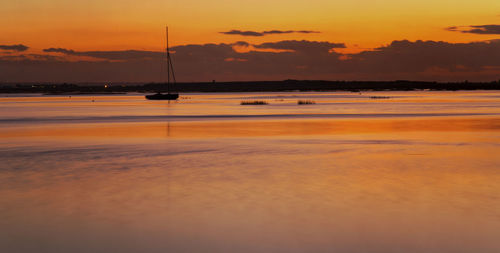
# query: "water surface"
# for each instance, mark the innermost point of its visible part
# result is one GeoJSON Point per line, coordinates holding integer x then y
{"type": "Point", "coordinates": [415, 172]}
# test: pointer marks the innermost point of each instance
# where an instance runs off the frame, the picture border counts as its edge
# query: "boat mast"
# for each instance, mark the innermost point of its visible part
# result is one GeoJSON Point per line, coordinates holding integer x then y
{"type": "Point", "coordinates": [170, 67]}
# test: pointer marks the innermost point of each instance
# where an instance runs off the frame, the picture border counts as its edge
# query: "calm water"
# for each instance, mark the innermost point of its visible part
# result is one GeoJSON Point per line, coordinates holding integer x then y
{"type": "Point", "coordinates": [416, 172]}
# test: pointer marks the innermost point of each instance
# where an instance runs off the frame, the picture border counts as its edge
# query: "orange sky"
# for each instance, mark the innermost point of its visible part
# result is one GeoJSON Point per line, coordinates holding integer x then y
{"type": "Point", "coordinates": [126, 24]}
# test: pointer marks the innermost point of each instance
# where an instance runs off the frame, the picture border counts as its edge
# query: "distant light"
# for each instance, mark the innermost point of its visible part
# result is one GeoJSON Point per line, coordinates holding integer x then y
{"type": "Point", "coordinates": [105, 86]}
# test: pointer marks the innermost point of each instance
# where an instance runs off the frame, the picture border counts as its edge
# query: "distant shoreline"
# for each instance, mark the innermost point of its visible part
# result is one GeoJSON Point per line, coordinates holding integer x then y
{"type": "Point", "coordinates": [256, 86]}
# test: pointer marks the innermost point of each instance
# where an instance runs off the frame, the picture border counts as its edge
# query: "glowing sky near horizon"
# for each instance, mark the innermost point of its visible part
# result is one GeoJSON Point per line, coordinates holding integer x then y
{"type": "Point", "coordinates": [127, 24]}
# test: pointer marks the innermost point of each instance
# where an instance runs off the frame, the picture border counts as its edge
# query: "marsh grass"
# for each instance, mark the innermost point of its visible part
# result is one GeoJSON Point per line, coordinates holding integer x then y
{"type": "Point", "coordinates": [306, 102]}
{"type": "Point", "coordinates": [379, 97]}
{"type": "Point", "coordinates": [256, 102]}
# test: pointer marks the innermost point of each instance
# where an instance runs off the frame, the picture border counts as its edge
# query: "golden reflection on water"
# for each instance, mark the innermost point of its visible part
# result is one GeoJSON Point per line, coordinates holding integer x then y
{"type": "Point", "coordinates": [380, 184]}
{"type": "Point", "coordinates": [368, 192]}
{"type": "Point", "coordinates": [242, 128]}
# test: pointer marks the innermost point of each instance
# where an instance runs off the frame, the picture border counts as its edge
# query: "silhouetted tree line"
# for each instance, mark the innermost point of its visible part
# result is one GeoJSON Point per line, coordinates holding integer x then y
{"type": "Point", "coordinates": [262, 86]}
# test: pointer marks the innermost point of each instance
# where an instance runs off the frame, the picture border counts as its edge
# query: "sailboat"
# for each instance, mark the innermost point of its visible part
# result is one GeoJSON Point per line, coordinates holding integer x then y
{"type": "Point", "coordinates": [170, 72]}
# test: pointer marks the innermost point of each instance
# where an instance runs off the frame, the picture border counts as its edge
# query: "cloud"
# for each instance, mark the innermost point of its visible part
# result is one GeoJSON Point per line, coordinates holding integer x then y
{"type": "Point", "coordinates": [259, 34]}
{"type": "Point", "coordinates": [301, 46]}
{"type": "Point", "coordinates": [401, 59]}
{"type": "Point", "coordinates": [109, 55]}
{"type": "Point", "coordinates": [241, 43]}
{"type": "Point", "coordinates": [59, 50]}
{"type": "Point", "coordinates": [430, 60]}
{"type": "Point", "coordinates": [476, 29]}
{"type": "Point", "coordinates": [288, 31]}
{"type": "Point", "coordinates": [191, 63]}
{"type": "Point", "coordinates": [30, 57]}
{"type": "Point", "coordinates": [18, 47]}
{"type": "Point", "coordinates": [305, 31]}
{"type": "Point", "coordinates": [243, 33]}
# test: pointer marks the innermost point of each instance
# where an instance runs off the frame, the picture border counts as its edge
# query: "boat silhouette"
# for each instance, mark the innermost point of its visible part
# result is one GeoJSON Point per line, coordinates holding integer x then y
{"type": "Point", "coordinates": [170, 72]}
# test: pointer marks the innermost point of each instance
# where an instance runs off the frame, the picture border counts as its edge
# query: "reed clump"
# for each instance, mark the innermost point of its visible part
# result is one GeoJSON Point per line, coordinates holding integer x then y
{"type": "Point", "coordinates": [306, 102]}
{"type": "Point", "coordinates": [256, 102]}
{"type": "Point", "coordinates": [379, 97]}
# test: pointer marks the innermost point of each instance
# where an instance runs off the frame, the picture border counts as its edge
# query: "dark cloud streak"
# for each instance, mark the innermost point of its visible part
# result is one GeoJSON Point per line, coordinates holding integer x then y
{"type": "Point", "coordinates": [243, 33]}
{"type": "Point", "coordinates": [475, 29]}
{"type": "Point", "coordinates": [59, 50]}
{"type": "Point", "coordinates": [109, 55]}
{"type": "Point", "coordinates": [18, 47]}
{"type": "Point", "coordinates": [259, 34]}
{"type": "Point", "coordinates": [301, 46]}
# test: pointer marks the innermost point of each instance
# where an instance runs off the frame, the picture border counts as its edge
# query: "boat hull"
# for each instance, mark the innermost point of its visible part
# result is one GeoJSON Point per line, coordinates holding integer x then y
{"type": "Point", "coordinates": [160, 96]}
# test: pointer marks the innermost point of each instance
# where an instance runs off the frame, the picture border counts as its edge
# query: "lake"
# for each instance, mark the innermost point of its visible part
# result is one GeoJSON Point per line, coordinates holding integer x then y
{"type": "Point", "coordinates": [375, 172]}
